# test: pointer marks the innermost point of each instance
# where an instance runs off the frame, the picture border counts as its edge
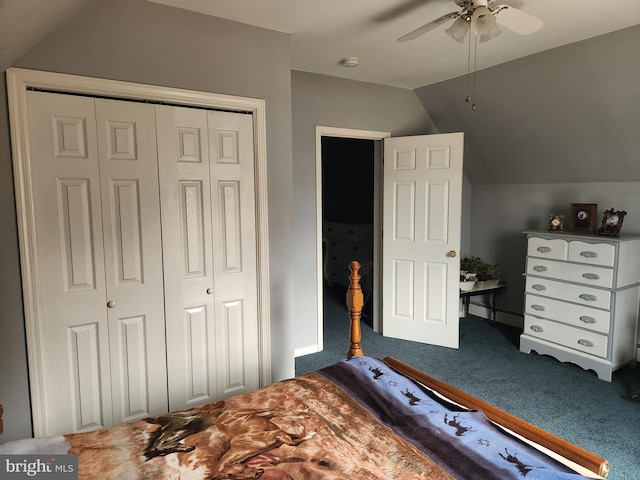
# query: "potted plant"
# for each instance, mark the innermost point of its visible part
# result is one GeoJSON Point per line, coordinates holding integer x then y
{"type": "Point", "coordinates": [486, 274]}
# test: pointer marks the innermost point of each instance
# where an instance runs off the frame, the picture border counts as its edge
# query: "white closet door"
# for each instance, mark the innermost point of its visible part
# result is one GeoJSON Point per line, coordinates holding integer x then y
{"type": "Point", "coordinates": [233, 210]}
{"type": "Point", "coordinates": [183, 152]}
{"type": "Point", "coordinates": [208, 210]}
{"type": "Point", "coordinates": [98, 243]}
{"type": "Point", "coordinates": [133, 258]}
{"type": "Point", "coordinates": [70, 262]}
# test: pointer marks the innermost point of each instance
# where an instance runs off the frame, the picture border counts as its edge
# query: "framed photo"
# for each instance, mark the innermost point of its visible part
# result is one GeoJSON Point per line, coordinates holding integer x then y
{"type": "Point", "coordinates": [583, 217]}
{"type": "Point", "coordinates": [611, 222]}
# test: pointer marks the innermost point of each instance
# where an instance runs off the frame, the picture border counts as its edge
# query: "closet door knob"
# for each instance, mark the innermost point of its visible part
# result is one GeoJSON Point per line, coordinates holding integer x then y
{"type": "Point", "coordinates": [209, 290]}
{"type": "Point", "coordinates": [111, 304]}
{"type": "Point", "coordinates": [452, 253]}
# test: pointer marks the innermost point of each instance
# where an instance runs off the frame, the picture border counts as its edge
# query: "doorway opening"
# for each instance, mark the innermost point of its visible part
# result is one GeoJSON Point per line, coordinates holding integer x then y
{"type": "Point", "coordinates": [349, 198]}
{"type": "Point", "coordinates": [347, 218]}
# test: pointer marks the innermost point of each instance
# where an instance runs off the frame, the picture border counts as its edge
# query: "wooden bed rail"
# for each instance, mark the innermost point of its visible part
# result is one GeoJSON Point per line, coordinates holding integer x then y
{"type": "Point", "coordinates": [574, 453]}
{"type": "Point", "coordinates": [568, 450]}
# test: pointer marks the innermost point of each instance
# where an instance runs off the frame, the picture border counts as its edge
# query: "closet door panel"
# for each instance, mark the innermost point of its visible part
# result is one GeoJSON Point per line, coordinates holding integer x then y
{"type": "Point", "coordinates": [234, 248]}
{"type": "Point", "coordinates": [183, 153]}
{"type": "Point", "coordinates": [70, 262]}
{"type": "Point", "coordinates": [133, 257]}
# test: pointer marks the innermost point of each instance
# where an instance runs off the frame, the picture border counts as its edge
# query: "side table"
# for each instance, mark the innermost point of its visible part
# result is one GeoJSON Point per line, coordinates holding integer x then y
{"type": "Point", "coordinates": [493, 291]}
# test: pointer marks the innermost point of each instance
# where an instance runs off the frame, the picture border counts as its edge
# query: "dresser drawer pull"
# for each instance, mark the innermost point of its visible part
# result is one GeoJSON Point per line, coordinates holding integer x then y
{"type": "Point", "coordinates": [585, 343]}
{"type": "Point", "coordinates": [588, 297]}
{"type": "Point", "coordinates": [587, 319]}
{"type": "Point", "coordinates": [540, 308]}
{"type": "Point", "coordinates": [540, 268]}
{"type": "Point", "coordinates": [538, 287]}
{"type": "Point", "coordinates": [591, 276]}
{"type": "Point", "coordinates": [588, 254]}
{"type": "Point", "coordinates": [536, 328]}
{"type": "Point", "coordinates": [544, 249]}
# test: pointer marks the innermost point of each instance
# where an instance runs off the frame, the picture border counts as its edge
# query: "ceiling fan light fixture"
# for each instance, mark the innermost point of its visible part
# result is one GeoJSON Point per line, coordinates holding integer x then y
{"type": "Point", "coordinates": [491, 35]}
{"type": "Point", "coordinates": [458, 29]}
{"type": "Point", "coordinates": [482, 21]}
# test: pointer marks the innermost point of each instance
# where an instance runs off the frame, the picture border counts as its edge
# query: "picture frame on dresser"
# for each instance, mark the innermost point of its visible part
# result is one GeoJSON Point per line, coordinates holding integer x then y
{"type": "Point", "coordinates": [611, 222]}
{"type": "Point", "coordinates": [583, 218]}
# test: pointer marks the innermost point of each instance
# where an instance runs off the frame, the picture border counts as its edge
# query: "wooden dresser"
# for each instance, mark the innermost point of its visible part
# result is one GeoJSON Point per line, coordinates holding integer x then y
{"type": "Point", "coordinates": [581, 299]}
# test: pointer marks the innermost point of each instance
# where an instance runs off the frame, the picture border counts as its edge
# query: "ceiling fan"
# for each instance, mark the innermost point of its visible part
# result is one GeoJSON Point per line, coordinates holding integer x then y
{"type": "Point", "coordinates": [479, 16]}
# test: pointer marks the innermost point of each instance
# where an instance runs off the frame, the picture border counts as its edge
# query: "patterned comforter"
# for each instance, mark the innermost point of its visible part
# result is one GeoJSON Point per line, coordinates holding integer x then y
{"type": "Point", "coordinates": [355, 420]}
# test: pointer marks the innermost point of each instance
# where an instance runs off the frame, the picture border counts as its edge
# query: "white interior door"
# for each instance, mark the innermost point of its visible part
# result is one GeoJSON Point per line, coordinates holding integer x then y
{"type": "Point", "coordinates": [133, 258]}
{"type": "Point", "coordinates": [235, 266]}
{"type": "Point", "coordinates": [422, 215]}
{"type": "Point", "coordinates": [70, 262]}
{"type": "Point", "coordinates": [96, 212]}
{"type": "Point", "coordinates": [209, 233]}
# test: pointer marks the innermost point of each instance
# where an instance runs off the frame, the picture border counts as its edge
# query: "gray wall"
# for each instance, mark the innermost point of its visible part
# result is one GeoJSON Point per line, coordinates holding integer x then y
{"type": "Point", "coordinates": [500, 213]}
{"type": "Point", "coordinates": [552, 129]}
{"type": "Point", "coordinates": [140, 41]}
{"type": "Point", "coordinates": [334, 102]}
{"type": "Point", "coordinates": [562, 116]}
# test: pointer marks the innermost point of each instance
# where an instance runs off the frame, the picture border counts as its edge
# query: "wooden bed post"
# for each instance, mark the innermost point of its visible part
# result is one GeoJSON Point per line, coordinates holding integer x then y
{"type": "Point", "coordinates": [355, 302]}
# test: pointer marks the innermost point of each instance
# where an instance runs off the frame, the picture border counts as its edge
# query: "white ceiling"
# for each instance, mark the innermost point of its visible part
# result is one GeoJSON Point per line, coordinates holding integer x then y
{"type": "Point", "coordinates": [325, 31]}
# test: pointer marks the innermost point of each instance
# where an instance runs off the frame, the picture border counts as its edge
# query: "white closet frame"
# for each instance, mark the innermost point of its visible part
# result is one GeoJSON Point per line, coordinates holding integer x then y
{"type": "Point", "coordinates": [19, 81]}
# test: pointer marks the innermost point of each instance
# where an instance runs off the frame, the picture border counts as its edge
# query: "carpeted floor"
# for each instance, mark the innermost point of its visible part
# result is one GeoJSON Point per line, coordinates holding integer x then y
{"type": "Point", "coordinates": [559, 397]}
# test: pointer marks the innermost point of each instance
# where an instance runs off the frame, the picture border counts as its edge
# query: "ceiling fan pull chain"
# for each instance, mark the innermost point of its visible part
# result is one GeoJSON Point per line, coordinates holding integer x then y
{"type": "Point", "coordinates": [475, 68]}
{"type": "Point", "coordinates": [468, 97]}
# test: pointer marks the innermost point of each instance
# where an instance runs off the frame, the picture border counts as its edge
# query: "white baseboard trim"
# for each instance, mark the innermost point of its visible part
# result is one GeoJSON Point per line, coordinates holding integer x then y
{"type": "Point", "coordinates": [501, 317]}
{"type": "Point", "coordinates": [308, 350]}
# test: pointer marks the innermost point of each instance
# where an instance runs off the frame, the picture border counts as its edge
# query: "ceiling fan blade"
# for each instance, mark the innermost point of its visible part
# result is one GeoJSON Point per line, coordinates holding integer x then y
{"type": "Point", "coordinates": [517, 20]}
{"type": "Point", "coordinates": [399, 10]}
{"type": "Point", "coordinates": [428, 27]}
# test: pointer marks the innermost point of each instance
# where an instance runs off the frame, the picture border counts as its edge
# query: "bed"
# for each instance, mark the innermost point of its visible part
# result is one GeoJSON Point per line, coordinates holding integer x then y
{"type": "Point", "coordinates": [361, 418]}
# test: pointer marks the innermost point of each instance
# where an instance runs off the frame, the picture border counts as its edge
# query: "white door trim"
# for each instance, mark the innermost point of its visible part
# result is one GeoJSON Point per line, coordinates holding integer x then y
{"type": "Point", "coordinates": [21, 80]}
{"type": "Point", "coordinates": [324, 131]}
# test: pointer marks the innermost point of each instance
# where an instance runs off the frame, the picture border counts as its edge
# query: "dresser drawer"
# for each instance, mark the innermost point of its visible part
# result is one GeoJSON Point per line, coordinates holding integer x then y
{"type": "Point", "coordinates": [596, 276]}
{"type": "Point", "coordinates": [585, 317]}
{"type": "Point", "coordinates": [592, 297]}
{"type": "Point", "coordinates": [576, 338]}
{"type": "Point", "coordinates": [592, 253]}
{"type": "Point", "coordinates": [555, 249]}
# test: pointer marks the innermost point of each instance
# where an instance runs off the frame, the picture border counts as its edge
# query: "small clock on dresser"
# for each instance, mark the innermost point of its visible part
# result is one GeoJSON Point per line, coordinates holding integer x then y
{"type": "Point", "coordinates": [556, 223]}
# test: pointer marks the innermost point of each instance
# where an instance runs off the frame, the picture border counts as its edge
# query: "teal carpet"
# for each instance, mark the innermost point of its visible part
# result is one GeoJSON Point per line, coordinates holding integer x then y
{"type": "Point", "coordinates": [561, 398]}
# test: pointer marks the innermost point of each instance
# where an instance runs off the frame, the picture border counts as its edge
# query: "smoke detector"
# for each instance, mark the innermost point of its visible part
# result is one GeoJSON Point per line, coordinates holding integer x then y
{"type": "Point", "coordinates": [350, 62]}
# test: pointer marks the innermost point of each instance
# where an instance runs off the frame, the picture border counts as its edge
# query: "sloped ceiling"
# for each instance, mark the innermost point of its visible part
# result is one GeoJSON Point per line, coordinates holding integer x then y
{"type": "Point", "coordinates": [567, 115]}
{"type": "Point", "coordinates": [25, 23]}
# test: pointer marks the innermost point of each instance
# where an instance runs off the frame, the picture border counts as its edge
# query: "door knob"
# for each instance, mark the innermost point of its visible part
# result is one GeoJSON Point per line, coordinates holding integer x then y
{"type": "Point", "coordinates": [111, 303]}
{"type": "Point", "coordinates": [452, 253]}
{"type": "Point", "coordinates": [209, 290]}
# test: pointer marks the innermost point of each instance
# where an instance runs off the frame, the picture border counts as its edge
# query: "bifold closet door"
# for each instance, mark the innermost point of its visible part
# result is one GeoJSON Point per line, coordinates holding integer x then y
{"type": "Point", "coordinates": [98, 254]}
{"type": "Point", "coordinates": [206, 166]}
